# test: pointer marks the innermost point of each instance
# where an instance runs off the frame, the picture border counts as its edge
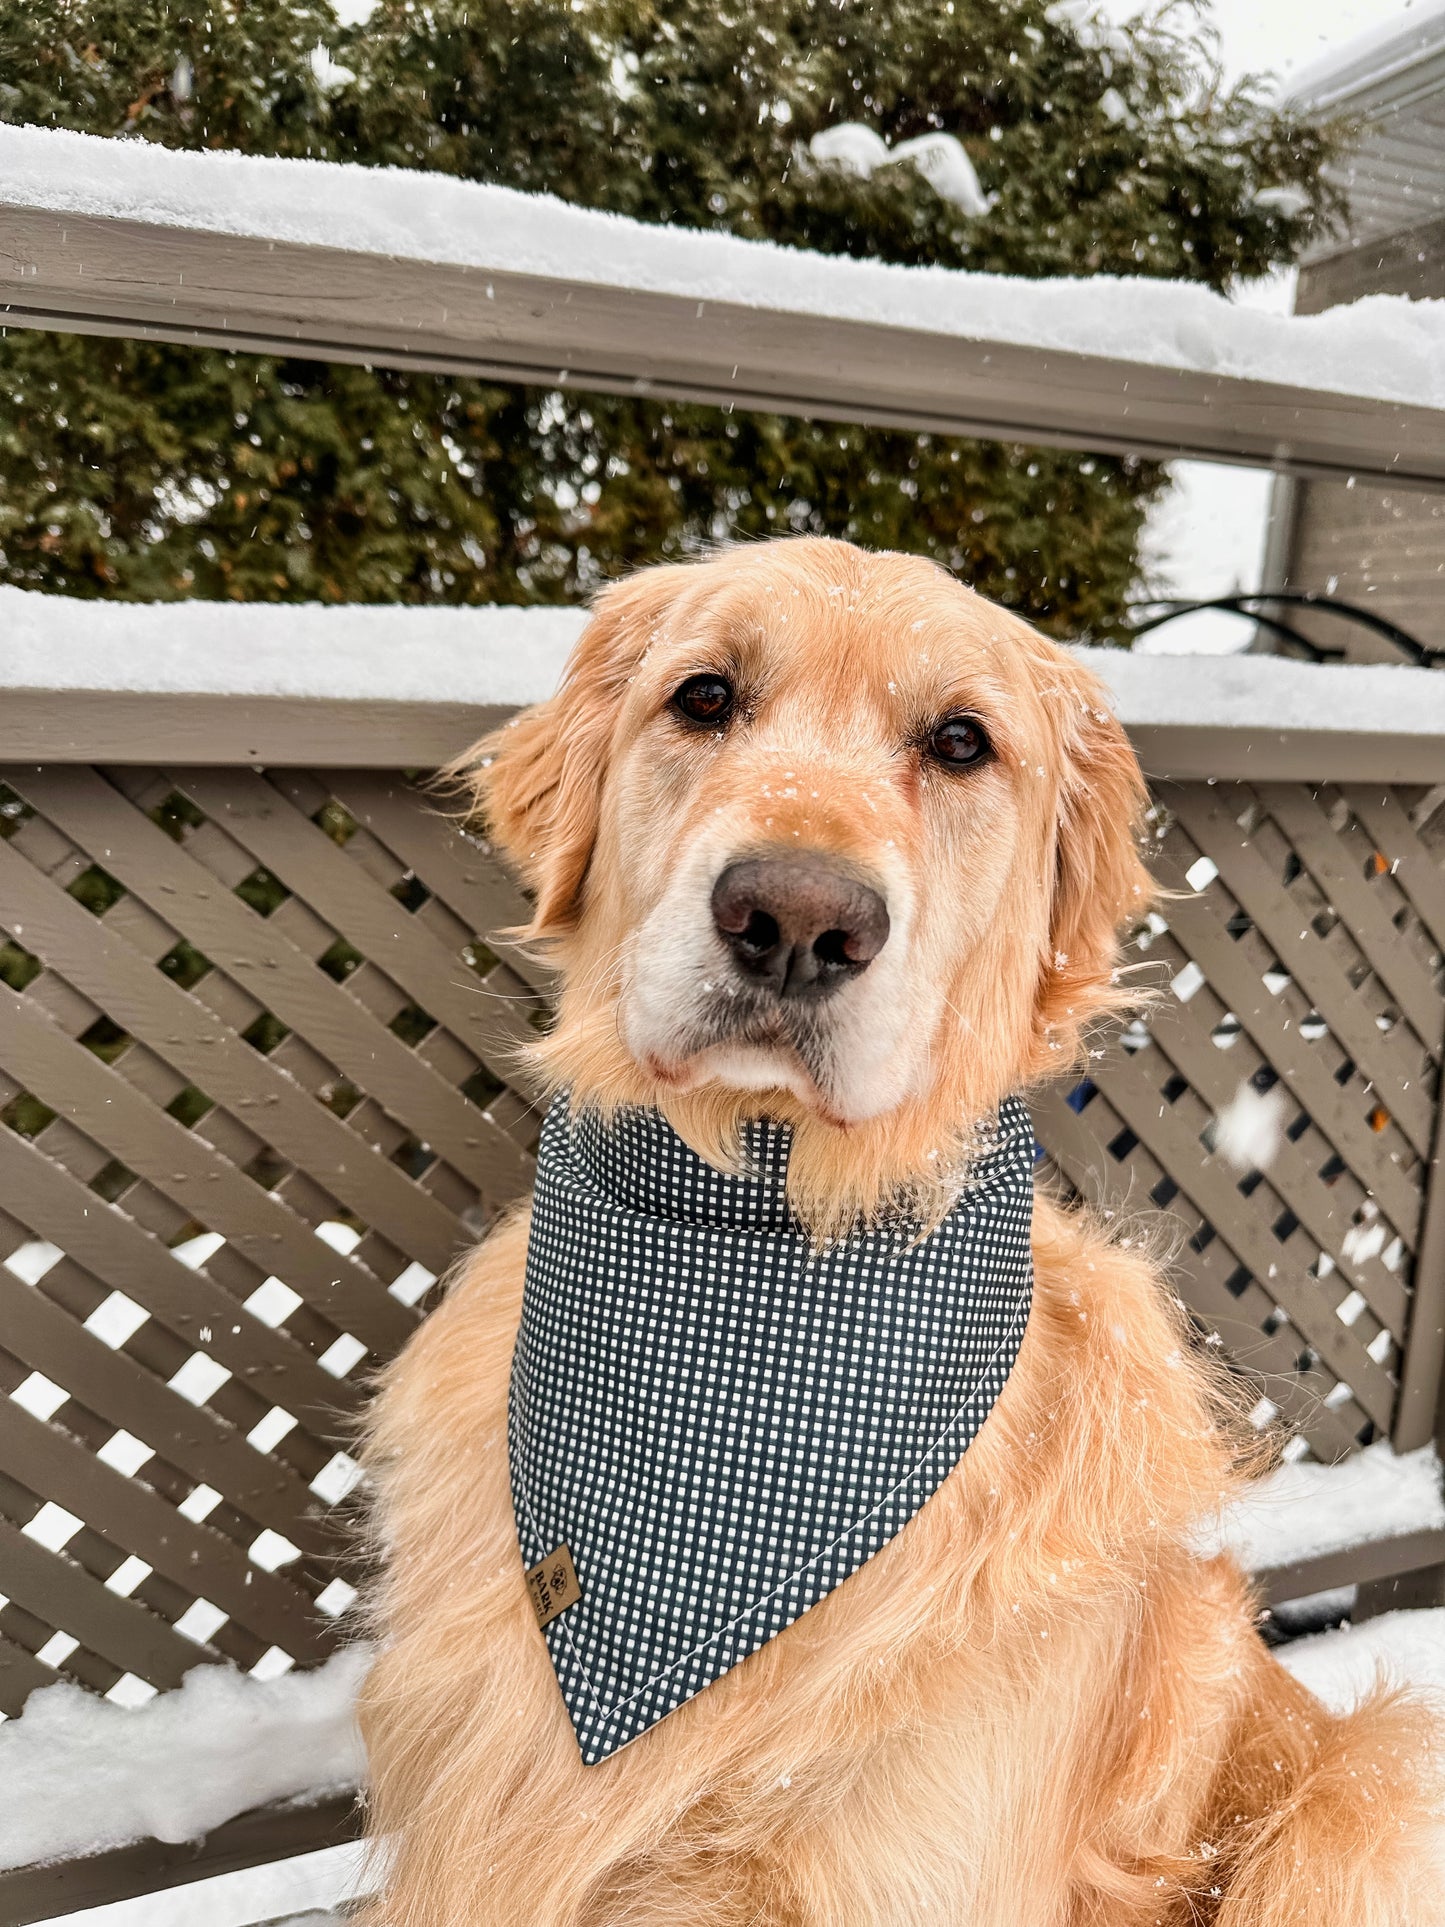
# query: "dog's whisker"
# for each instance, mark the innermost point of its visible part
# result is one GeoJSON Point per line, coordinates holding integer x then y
{"type": "Point", "coordinates": [497, 996]}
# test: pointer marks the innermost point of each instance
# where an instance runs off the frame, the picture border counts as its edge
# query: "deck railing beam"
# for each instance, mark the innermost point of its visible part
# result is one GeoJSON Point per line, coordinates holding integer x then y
{"type": "Point", "coordinates": [420, 271]}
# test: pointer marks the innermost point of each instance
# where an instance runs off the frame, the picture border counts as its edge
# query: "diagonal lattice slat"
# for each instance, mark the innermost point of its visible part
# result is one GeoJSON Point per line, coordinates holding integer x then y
{"type": "Point", "coordinates": [254, 1083]}
{"type": "Point", "coordinates": [1300, 941]}
{"type": "Point", "coordinates": [259, 1084]}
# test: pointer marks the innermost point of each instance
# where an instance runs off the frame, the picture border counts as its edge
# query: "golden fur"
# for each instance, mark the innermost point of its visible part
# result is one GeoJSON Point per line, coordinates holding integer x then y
{"type": "Point", "coordinates": [1035, 1707]}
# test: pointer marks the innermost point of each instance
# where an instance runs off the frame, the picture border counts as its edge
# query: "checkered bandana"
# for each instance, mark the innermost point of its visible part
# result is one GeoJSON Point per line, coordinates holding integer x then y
{"type": "Point", "coordinates": [721, 1422]}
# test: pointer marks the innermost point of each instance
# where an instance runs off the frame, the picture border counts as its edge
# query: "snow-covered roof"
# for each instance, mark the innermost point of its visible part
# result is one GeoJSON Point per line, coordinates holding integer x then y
{"type": "Point", "coordinates": [1388, 65]}
{"type": "Point", "coordinates": [1392, 77]}
{"type": "Point", "coordinates": [96, 680]}
{"type": "Point", "coordinates": [425, 270]}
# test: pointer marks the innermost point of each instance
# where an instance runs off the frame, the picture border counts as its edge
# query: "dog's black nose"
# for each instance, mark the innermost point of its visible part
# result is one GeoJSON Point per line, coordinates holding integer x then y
{"type": "Point", "coordinates": [802, 925]}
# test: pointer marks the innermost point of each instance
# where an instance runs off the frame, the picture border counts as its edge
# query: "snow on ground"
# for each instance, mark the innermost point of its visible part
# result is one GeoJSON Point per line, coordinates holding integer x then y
{"type": "Point", "coordinates": [1385, 346]}
{"type": "Point", "coordinates": [1304, 1510]}
{"type": "Point", "coordinates": [78, 1774]}
{"type": "Point", "coordinates": [1340, 1667]}
{"type": "Point", "coordinates": [1401, 1649]}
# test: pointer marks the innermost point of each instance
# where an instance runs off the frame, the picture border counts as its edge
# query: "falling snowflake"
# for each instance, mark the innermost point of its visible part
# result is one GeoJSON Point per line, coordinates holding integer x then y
{"type": "Point", "coordinates": [1249, 1129]}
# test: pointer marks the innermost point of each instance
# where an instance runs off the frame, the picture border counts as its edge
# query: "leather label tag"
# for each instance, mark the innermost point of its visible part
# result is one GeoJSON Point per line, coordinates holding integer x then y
{"type": "Point", "coordinates": [553, 1586]}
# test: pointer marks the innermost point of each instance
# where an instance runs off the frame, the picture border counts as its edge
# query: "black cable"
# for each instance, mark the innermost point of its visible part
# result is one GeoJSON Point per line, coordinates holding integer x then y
{"type": "Point", "coordinates": [1422, 654]}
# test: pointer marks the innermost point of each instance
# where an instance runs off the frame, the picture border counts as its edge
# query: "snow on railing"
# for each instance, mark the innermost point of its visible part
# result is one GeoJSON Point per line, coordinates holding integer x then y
{"type": "Point", "coordinates": [403, 688]}
{"type": "Point", "coordinates": [412, 269]}
{"type": "Point", "coordinates": [1305, 1510]}
{"type": "Point", "coordinates": [79, 1775]}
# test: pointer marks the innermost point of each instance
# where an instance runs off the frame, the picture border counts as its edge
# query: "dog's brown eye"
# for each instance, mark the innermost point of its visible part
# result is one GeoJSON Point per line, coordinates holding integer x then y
{"type": "Point", "coordinates": [959, 741]}
{"type": "Point", "coordinates": [704, 699]}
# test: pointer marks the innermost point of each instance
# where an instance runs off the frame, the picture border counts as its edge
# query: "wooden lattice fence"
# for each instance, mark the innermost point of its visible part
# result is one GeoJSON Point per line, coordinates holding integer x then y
{"type": "Point", "coordinates": [1301, 949]}
{"type": "Point", "coordinates": [258, 1083]}
{"type": "Point", "coordinates": [252, 1061]}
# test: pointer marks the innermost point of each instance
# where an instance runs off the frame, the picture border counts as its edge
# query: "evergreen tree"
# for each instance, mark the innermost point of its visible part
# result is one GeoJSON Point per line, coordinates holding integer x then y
{"type": "Point", "coordinates": [144, 471]}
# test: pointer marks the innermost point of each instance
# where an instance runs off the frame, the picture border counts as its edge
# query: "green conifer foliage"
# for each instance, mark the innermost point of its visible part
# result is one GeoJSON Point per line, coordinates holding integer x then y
{"type": "Point", "coordinates": [189, 75]}
{"type": "Point", "coordinates": [152, 472]}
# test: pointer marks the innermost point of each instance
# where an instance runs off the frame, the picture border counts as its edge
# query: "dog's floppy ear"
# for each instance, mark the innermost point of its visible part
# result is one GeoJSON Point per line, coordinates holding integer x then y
{"type": "Point", "coordinates": [1099, 884]}
{"type": "Point", "coordinates": [538, 780]}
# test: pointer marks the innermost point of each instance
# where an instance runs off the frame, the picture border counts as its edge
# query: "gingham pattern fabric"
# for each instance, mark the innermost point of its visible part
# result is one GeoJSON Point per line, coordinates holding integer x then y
{"type": "Point", "coordinates": [722, 1422]}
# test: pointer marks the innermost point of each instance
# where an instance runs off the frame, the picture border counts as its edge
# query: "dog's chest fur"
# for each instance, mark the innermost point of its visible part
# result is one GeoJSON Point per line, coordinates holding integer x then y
{"type": "Point", "coordinates": [955, 1691]}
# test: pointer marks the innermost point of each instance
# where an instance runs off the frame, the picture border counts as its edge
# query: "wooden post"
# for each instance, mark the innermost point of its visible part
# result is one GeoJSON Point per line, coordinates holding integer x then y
{"type": "Point", "coordinates": [1417, 1412]}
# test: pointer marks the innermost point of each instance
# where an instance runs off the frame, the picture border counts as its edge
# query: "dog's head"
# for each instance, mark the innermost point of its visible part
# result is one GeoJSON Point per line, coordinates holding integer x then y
{"type": "Point", "coordinates": [820, 833]}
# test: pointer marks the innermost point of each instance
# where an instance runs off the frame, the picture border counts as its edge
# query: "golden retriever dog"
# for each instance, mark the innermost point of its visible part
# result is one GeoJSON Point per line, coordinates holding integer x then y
{"type": "Point", "coordinates": [1037, 1706]}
